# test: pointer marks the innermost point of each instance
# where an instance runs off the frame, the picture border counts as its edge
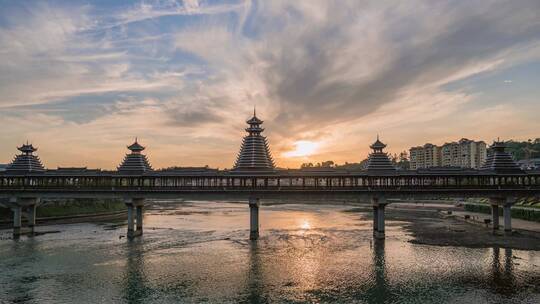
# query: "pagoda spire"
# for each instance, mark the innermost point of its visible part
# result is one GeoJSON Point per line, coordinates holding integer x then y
{"type": "Point", "coordinates": [26, 161]}
{"type": "Point", "coordinates": [378, 160]}
{"type": "Point", "coordinates": [254, 152]}
{"type": "Point", "coordinates": [135, 162]}
{"type": "Point", "coordinates": [377, 146]}
{"type": "Point", "coordinates": [499, 160]}
{"type": "Point", "coordinates": [136, 147]}
{"type": "Point", "coordinates": [27, 148]}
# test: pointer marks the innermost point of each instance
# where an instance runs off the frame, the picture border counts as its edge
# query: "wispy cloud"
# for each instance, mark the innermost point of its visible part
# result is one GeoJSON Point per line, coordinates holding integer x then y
{"type": "Point", "coordinates": [152, 10]}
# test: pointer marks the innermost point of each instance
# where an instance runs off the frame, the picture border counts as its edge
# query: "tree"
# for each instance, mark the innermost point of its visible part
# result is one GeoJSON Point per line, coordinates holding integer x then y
{"type": "Point", "coordinates": [327, 164]}
{"type": "Point", "coordinates": [306, 165]}
{"type": "Point", "coordinates": [524, 150]}
{"type": "Point", "coordinates": [403, 161]}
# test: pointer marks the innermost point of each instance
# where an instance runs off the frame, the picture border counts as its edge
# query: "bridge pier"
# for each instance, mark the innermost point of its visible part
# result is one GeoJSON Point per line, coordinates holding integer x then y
{"type": "Point", "coordinates": [506, 203]}
{"type": "Point", "coordinates": [17, 211]}
{"type": "Point", "coordinates": [375, 219]}
{"type": "Point", "coordinates": [140, 219]}
{"type": "Point", "coordinates": [495, 216]}
{"type": "Point", "coordinates": [254, 204]}
{"type": "Point", "coordinates": [32, 218]}
{"type": "Point", "coordinates": [507, 213]}
{"type": "Point", "coordinates": [379, 205]}
{"type": "Point", "coordinates": [135, 217]}
{"type": "Point", "coordinates": [17, 204]}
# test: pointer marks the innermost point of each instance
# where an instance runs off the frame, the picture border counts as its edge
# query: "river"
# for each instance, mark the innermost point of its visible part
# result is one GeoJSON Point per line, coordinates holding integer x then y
{"type": "Point", "coordinates": [199, 252]}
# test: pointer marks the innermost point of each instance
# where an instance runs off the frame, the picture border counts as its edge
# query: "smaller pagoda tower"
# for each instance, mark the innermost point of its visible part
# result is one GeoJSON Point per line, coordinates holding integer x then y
{"type": "Point", "coordinates": [500, 161]}
{"type": "Point", "coordinates": [254, 153]}
{"type": "Point", "coordinates": [135, 162]}
{"type": "Point", "coordinates": [26, 162]}
{"type": "Point", "coordinates": [378, 160]}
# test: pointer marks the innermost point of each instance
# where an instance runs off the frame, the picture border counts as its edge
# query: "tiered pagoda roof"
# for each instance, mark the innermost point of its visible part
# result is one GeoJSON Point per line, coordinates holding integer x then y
{"type": "Point", "coordinates": [378, 160]}
{"type": "Point", "coordinates": [254, 153]}
{"type": "Point", "coordinates": [26, 161]}
{"type": "Point", "coordinates": [500, 161]}
{"type": "Point", "coordinates": [135, 162]}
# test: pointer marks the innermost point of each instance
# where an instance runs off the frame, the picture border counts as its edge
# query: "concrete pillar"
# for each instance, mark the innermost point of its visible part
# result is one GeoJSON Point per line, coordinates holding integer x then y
{"type": "Point", "coordinates": [507, 213]}
{"type": "Point", "coordinates": [17, 204]}
{"type": "Point", "coordinates": [135, 216]}
{"type": "Point", "coordinates": [380, 221]}
{"type": "Point", "coordinates": [131, 230]}
{"type": "Point", "coordinates": [32, 217]}
{"type": "Point", "coordinates": [253, 218]}
{"type": "Point", "coordinates": [140, 219]}
{"type": "Point", "coordinates": [17, 211]}
{"type": "Point", "coordinates": [375, 218]}
{"type": "Point", "coordinates": [495, 216]}
{"type": "Point", "coordinates": [378, 216]}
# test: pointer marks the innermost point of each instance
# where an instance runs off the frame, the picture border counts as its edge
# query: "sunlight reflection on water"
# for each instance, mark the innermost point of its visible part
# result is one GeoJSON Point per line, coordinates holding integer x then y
{"type": "Point", "coordinates": [199, 252]}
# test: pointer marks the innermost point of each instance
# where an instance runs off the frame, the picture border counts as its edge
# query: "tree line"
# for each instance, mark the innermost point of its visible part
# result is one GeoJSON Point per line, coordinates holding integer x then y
{"type": "Point", "coordinates": [519, 149]}
{"type": "Point", "coordinates": [524, 149]}
{"type": "Point", "coordinates": [401, 161]}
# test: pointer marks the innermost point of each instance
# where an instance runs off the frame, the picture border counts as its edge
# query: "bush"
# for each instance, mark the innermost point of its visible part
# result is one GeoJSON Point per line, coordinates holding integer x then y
{"type": "Point", "coordinates": [78, 207]}
{"type": "Point", "coordinates": [517, 212]}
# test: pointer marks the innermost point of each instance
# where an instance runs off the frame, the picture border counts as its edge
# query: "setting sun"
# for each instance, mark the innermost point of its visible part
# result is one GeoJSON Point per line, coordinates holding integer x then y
{"type": "Point", "coordinates": [302, 148]}
{"type": "Point", "coordinates": [305, 225]}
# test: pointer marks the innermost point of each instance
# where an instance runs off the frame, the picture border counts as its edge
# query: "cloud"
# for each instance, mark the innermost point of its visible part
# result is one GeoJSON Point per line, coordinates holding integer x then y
{"type": "Point", "coordinates": [334, 73]}
{"type": "Point", "coordinates": [56, 54]}
{"type": "Point", "coordinates": [329, 63]}
{"type": "Point", "coordinates": [144, 11]}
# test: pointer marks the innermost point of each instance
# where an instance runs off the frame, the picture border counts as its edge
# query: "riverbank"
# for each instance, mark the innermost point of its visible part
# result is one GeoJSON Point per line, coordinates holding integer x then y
{"type": "Point", "coordinates": [71, 219]}
{"type": "Point", "coordinates": [447, 230]}
{"type": "Point", "coordinates": [430, 225]}
{"type": "Point", "coordinates": [71, 211]}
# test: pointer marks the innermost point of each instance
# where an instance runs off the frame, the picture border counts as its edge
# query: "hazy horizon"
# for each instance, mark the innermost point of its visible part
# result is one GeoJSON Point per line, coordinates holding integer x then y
{"type": "Point", "coordinates": [81, 79]}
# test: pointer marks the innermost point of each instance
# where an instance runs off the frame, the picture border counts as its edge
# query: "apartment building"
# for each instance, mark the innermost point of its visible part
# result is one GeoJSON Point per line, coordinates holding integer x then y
{"type": "Point", "coordinates": [465, 153]}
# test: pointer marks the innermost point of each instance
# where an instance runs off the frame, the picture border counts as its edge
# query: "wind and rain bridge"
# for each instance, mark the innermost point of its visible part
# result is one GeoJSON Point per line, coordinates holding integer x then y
{"type": "Point", "coordinates": [255, 177]}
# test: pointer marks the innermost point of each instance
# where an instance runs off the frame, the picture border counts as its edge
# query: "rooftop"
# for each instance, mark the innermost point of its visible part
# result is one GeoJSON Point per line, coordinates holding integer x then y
{"type": "Point", "coordinates": [26, 162]}
{"type": "Point", "coordinates": [377, 145]}
{"type": "Point", "coordinates": [499, 160]}
{"type": "Point", "coordinates": [254, 152]}
{"type": "Point", "coordinates": [27, 148]}
{"type": "Point", "coordinates": [136, 147]}
{"type": "Point", "coordinates": [135, 162]}
{"type": "Point", "coordinates": [378, 160]}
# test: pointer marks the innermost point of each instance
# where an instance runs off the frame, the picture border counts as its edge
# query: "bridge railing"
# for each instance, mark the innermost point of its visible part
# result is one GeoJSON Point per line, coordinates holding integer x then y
{"type": "Point", "coordinates": [274, 183]}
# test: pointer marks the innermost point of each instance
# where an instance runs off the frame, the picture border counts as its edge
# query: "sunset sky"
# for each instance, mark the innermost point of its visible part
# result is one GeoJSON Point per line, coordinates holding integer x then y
{"type": "Point", "coordinates": [81, 79]}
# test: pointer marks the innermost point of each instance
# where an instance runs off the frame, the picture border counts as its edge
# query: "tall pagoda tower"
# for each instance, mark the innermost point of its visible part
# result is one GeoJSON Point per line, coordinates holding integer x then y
{"type": "Point", "coordinates": [500, 161]}
{"type": "Point", "coordinates": [26, 162]}
{"type": "Point", "coordinates": [378, 160]}
{"type": "Point", "coordinates": [135, 162]}
{"type": "Point", "coordinates": [254, 153]}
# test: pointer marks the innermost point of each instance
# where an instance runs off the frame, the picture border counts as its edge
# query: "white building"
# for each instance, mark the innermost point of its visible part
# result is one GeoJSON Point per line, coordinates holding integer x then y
{"type": "Point", "coordinates": [465, 153]}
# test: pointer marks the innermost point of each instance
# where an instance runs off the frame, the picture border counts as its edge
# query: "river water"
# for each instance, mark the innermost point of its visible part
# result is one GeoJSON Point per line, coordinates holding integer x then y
{"type": "Point", "coordinates": [199, 252]}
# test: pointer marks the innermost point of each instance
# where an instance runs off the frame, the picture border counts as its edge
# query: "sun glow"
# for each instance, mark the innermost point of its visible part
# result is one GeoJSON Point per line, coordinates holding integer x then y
{"type": "Point", "coordinates": [302, 148]}
{"type": "Point", "coordinates": [305, 225]}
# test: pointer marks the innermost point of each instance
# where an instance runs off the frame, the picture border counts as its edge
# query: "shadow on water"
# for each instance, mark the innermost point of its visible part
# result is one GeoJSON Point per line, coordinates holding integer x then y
{"type": "Point", "coordinates": [23, 287]}
{"type": "Point", "coordinates": [379, 291]}
{"type": "Point", "coordinates": [135, 289]}
{"type": "Point", "coordinates": [255, 282]}
{"type": "Point", "coordinates": [502, 277]}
